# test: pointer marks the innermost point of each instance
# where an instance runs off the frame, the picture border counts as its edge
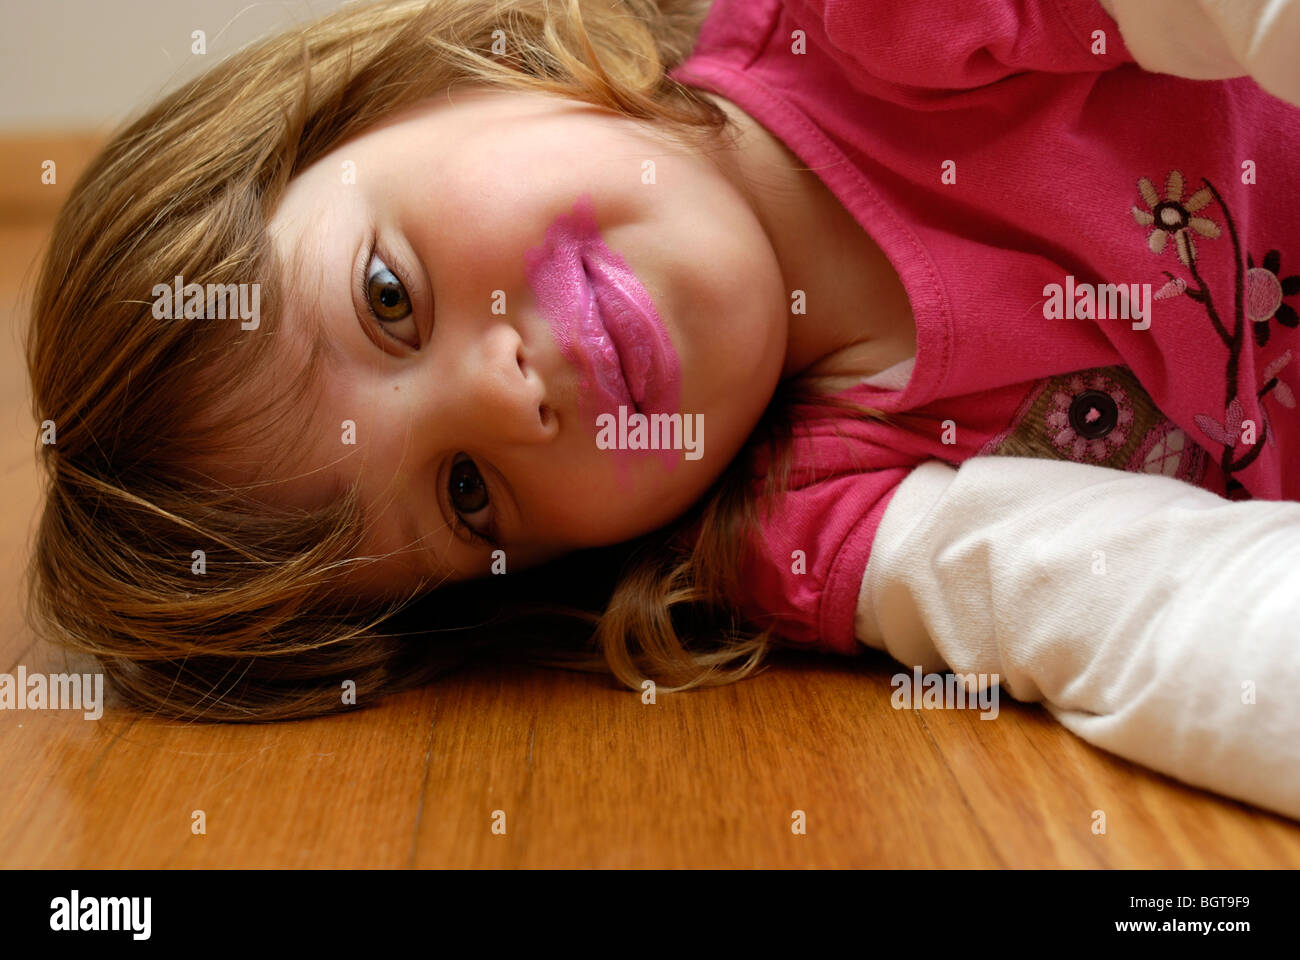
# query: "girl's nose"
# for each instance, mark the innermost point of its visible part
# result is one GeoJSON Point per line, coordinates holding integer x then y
{"type": "Point", "coordinates": [498, 394]}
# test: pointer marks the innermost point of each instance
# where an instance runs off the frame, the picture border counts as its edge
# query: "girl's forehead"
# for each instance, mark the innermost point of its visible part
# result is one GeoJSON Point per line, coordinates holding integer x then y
{"type": "Point", "coordinates": [474, 108]}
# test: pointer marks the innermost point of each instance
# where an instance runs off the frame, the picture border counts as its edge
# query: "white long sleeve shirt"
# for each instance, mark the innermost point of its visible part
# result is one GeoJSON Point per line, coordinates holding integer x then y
{"type": "Point", "coordinates": [1215, 39]}
{"type": "Point", "coordinates": [1181, 654]}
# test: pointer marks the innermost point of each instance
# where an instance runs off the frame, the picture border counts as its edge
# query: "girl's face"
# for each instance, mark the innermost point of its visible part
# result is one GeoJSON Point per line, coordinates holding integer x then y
{"type": "Point", "coordinates": [500, 224]}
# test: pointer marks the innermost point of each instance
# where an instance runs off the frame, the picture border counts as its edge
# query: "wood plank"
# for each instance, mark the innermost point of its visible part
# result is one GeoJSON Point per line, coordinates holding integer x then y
{"type": "Point", "coordinates": [23, 195]}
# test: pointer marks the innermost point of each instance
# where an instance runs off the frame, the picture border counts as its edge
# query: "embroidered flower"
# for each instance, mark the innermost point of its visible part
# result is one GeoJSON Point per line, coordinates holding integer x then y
{"type": "Point", "coordinates": [1090, 419]}
{"type": "Point", "coordinates": [1172, 216]}
{"type": "Point", "coordinates": [1281, 392]}
{"type": "Point", "coordinates": [1265, 288]}
{"type": "Point", "coordinates": [1174, 288]}
{"type": "Point", "coordinates": [1226, 433]}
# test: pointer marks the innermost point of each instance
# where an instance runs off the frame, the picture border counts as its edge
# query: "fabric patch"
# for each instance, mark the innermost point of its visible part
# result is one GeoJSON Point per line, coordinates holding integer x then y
{"type": "Point", "coordinates": [1101, 417]}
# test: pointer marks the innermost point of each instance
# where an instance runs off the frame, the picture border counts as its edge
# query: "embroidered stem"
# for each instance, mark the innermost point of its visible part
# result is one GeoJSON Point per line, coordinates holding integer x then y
{"type": "Point", "coordinates": [1201, 294]}
{"type": "Point", "coordinates": [1255, 451]}
{"type": "Point", "coordinates": [1234, 342]}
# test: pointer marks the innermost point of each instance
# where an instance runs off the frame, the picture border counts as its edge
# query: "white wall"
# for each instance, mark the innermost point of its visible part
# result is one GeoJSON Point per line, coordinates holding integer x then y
{"type": "Point", "coordinates": [89, 64]}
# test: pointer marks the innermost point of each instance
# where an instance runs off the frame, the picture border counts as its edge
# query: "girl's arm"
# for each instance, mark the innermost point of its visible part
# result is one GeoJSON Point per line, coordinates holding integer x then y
{"type": "Point", "coordinates": [1153, 618]}
{"type": "Point", "coordinates": [1215, 39]}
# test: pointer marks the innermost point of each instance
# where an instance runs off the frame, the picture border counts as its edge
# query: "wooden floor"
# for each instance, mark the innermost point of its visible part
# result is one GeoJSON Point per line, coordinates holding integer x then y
{"type": "Point", "coordinates": [586, 775]}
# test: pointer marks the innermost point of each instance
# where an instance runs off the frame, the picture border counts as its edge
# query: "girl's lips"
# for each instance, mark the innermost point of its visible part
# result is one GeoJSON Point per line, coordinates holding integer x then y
{"type": "Point", "coordinates": [602, 318]}
{"type": "Point", "coordinates": [594, 346]}
{"type": "Point", "coordinates": [644, 350]}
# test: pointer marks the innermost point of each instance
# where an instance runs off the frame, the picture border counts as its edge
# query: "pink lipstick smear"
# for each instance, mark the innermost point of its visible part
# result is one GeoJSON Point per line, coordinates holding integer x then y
{"type": "Point", "coordinates": [605, 325]}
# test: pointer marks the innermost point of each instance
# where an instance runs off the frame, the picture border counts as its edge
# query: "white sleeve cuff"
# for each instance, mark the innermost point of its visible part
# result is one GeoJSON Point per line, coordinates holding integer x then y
{"type": "Point", "coordinates": [1215, 39]}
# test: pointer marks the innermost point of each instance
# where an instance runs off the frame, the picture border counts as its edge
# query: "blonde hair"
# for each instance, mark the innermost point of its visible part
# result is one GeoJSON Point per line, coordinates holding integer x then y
{"type": "Point", "coordinates": [188, 189]}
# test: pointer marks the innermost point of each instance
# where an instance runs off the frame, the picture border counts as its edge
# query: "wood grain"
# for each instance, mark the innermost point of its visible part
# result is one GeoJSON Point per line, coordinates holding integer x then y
{"type": "Point", "coordinates": [586, 774]}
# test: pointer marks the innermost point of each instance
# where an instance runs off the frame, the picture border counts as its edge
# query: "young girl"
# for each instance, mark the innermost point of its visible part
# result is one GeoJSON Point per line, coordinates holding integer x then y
{"type": "Point", "coordinates": [941, 328]}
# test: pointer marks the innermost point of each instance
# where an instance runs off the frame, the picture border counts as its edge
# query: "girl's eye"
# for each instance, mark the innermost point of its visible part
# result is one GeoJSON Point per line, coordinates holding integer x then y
{"type": "Point", "coordinates": [468, 492]}
{"type": "Point", "coordinates": [388, 301]}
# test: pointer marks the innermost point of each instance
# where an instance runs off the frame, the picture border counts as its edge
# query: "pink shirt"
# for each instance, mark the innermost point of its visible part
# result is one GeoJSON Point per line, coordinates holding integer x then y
{"type": "Point", "coordinates": [1069, 169]}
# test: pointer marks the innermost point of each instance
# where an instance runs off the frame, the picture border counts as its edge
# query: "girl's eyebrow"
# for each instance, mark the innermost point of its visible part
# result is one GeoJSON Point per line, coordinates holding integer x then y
{"type": "Point", "coordinates": [309, 315]}
{"type": "Point", "coordinates": [302, 306]}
